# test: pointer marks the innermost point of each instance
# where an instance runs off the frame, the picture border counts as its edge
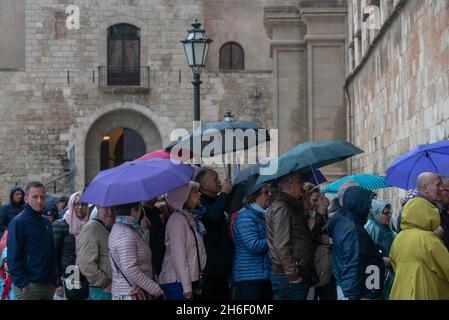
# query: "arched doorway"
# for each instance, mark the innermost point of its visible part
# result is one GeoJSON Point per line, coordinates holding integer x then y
{"type": "Point", "coordinates": [120, 145]}
{"type": "Point", "coordinates": [116, 137]}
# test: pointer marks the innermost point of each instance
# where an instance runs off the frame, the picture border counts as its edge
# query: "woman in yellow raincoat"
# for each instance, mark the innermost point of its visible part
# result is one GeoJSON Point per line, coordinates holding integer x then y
{"type": "Point", "coordinates": [418, 256]}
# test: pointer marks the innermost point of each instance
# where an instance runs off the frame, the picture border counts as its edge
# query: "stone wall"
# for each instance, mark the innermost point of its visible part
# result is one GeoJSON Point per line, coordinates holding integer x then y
{"type": "Point", "coordinates": [400, 97]}
{"type": "Point", "coordinates": [44, 114]}
{"type": "Point", "coordinates": [308, 48]}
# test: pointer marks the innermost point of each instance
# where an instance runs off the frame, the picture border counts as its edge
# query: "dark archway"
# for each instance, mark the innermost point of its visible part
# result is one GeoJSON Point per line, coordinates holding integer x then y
{"type": "Point", "coordinates": [119, 146]}
{"type": "Point", "coordinates": [139, 135]}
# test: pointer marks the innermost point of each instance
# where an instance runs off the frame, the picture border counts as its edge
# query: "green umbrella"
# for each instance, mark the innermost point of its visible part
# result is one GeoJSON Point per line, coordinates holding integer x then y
{"type": "Point", "coordinates": [311, 155]}
{"type": "Point", "coordinates": [250, 172]}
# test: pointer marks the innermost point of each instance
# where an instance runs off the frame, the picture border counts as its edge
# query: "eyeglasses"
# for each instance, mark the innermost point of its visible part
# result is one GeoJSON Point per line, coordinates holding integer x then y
{"type": "Point", "coordinates": [80, 204]}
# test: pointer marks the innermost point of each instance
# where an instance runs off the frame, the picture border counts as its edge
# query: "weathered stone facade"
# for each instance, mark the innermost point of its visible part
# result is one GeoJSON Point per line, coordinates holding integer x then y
{"type": "Point", "coordinates": [53, 107]}
{"type": "Point", "coordinates": [398, 86]}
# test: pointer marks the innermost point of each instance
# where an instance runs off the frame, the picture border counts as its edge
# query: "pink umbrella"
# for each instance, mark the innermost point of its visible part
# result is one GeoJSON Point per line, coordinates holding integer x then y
{"type": "Point", "coordinates": [160, 153]}
{"type": "Point", "coordinates": [165, 154]}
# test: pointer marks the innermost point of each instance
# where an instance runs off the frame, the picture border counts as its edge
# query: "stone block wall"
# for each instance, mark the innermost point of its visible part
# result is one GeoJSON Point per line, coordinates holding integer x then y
{"type": "Point", "coordinates": [400, 97]}
{"type": "Point", "coordinates": [51, 106]}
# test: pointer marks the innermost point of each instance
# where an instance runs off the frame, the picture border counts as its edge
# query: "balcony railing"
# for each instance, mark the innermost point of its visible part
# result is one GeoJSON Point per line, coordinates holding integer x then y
{"type": "Point", "coordinates": [124, 76]}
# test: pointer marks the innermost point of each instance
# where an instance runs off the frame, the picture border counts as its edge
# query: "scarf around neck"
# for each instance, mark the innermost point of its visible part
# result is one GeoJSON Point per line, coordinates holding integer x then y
{"type": "Point", "coordinates": [131, 222]}
{"type": "Point", "coordinates": [197, 214]}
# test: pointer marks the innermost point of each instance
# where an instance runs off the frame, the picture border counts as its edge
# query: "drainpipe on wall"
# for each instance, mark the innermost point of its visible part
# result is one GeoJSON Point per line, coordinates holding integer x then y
{"type": "Point", "coordinates": [349, 117]}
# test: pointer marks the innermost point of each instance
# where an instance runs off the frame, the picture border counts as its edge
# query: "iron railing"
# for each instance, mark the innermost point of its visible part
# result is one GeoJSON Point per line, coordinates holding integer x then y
{"type": "Point", "coordinates": [66, 175]}
{"type": "Point", "coordinates": [120, 76]}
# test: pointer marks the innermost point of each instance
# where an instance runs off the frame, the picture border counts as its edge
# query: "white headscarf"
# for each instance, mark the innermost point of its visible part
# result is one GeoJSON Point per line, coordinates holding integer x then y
{"type": "Point", "coordinates": [75, 223]}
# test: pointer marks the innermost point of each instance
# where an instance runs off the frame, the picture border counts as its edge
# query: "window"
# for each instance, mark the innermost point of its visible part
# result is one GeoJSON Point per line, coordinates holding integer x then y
{"type": "Point", "coordinates": [123, 55]}
{"type": "Point", "coordinates": [231, 57]}
{"type": "Point", "coordinates": [12, 35]}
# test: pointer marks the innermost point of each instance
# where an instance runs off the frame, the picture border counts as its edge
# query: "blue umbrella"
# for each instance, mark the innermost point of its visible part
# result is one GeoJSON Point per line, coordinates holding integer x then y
{"type": "Point", "coordinates": [406, 168]}
{"type": "Point", "coordinates": [136, 181]}
{"type": "Point", "coordinates": [367, 181]}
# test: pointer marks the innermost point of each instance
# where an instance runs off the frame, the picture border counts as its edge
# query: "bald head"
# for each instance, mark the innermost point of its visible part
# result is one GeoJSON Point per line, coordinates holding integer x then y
{"type": "Point", "coordinates": [430, 186]}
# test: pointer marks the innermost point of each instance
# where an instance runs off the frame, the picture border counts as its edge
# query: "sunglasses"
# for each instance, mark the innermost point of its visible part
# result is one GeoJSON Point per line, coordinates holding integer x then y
{"type": "Point", "coordinates": [268, 192]}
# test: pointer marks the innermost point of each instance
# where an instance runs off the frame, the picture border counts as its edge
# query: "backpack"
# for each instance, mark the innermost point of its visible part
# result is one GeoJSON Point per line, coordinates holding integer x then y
{"type": "Point", "coordinates": [75, 289]}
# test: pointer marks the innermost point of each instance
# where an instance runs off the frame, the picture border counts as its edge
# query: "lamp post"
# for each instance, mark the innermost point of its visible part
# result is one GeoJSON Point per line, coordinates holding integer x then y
{"type": "Point", "coordinates": [196, 45]}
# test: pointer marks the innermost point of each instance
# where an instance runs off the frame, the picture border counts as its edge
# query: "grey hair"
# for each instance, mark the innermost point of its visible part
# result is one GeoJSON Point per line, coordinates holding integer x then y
{"type": "Point", "coordinates": [282, 184]}
{"type": "Point", "coordinates": [420, 181]}
{"type": "Point", "coordinates": [343, 187]}
{"type": "Point", "coordinates": [195, 186]}
{"type": "Point", "coordinates": [444, 177]}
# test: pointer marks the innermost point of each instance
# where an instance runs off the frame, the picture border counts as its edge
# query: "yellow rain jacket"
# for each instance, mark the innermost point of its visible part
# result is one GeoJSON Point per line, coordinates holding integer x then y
{"type": "Point", "coordinates": [418, 256]}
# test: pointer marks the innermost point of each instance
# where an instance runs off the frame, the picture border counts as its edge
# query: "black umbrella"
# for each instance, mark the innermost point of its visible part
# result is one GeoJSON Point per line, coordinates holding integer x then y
{"type": "Point", "coordinates": [222, 131]}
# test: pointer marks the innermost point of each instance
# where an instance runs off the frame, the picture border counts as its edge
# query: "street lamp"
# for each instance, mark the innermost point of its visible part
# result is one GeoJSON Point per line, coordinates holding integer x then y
{"type": "Point", "coordinates": [196, 46]}
{"type": "Point", "coordinates": [228, 117]}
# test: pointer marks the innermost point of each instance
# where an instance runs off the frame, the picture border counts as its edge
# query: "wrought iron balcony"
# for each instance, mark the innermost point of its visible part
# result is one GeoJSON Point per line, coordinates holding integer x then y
{"type": "Point", "coordinates": [124, 76]}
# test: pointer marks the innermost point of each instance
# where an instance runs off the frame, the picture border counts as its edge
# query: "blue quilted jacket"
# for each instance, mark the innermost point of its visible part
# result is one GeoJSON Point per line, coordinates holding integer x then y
{"type": "Point", "coordinates": [251, 260]}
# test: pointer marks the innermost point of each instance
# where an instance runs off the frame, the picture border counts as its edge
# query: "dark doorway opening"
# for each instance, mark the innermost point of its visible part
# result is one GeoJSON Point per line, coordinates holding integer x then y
{"type": "Point", "coordinates": [121, 145]}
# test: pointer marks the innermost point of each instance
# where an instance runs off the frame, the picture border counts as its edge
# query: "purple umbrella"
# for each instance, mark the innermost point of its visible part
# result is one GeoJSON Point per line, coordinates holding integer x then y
{"type": "Point", "coordinates": [136, 181]}
{"type": "Point", "coordinates": [317, 177]}
{"type": "Point", "coordinates": [406, 168]}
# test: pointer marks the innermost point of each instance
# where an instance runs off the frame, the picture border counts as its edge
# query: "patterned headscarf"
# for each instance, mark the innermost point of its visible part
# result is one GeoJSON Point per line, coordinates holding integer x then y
{"type": "Point", "coordinates": [413, 193]}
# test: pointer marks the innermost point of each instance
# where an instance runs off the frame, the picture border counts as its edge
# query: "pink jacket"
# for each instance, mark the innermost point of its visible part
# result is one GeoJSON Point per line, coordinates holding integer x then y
{"type": "Point", "coordinates": [180, 262]}
{"type": "Point", "coordinates": [133, 257]}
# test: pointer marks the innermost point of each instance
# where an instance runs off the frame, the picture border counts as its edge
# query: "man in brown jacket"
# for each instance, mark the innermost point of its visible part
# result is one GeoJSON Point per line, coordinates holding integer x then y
{"type": "Point", "coordinates": [290, 242]}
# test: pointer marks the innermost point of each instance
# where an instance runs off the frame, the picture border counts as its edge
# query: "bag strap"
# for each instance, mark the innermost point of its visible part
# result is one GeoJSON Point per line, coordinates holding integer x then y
{"type": "Point", "coordinates": [102, 223]}
{"type": "Point", "coordinates": [197, 249]}
{"type": "Point", "coordinates": [118, 269]}
{"type": "Point", "coordinates": [196, 244]}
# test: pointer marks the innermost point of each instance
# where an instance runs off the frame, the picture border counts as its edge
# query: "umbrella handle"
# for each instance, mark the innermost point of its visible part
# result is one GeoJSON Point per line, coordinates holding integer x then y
{"type": "Point", "coordinates": [224, 167]}
{"type": "Point", "coordinates": [227, 168]}
{"type": "Point", "coordinates": [314, 176]}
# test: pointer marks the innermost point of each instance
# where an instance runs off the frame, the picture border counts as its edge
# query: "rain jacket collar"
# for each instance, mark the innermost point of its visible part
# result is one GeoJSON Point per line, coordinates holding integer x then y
{"type": "Point", "coordinates": [420, 213]}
